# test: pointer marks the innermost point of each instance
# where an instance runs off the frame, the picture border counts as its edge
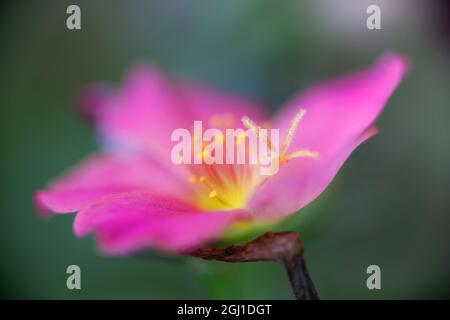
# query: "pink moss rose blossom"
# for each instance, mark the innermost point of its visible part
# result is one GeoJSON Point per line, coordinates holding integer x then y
{"type": "Point", "coordinates": [131, 195]}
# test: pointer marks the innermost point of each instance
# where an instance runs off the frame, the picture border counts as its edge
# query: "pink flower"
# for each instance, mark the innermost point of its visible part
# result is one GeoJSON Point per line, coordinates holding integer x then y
{"type": "Point", "coordinates": [132, 197]}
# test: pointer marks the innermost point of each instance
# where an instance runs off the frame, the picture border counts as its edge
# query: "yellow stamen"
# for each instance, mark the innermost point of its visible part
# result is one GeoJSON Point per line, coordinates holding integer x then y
{"type": "Point", "coordinates": [213, 194]}
{"type": "Point", "coordinates": [230, 187]}
{"type": "Point", "coordinates": [249, 124]}
{"type": "Point", "coordinates": [291, 131]}
{"type": "Point", "coordinates": [241, 138]}
{"type": "Point", "coordinates": [302, 153]}
{"type": "Point", "coordinates": [193, 179]}
{"type": "Point", "coordinates": [284, 156]}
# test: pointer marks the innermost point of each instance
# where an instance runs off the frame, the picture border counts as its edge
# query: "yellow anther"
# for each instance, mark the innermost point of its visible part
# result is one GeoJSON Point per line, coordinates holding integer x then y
{"type": "Point", "coordinates": [209, 186]}
{"type": "Point", "coordinates": [241, 138]}
{"type": "Point", "coordinates": [207, 183]}
{"type": "Point", "coordinates": [213, 194]}
{"type": "Point", "coordinates": [198, 155]}
{"type": "Point", "coordinates": [205, 154]}
{"type": "Point", "coordinates": [193, 179]}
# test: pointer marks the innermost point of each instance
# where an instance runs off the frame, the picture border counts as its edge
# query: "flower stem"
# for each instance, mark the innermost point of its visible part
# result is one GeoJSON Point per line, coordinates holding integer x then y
{"type": "Point", "coordinates": [284, 247]}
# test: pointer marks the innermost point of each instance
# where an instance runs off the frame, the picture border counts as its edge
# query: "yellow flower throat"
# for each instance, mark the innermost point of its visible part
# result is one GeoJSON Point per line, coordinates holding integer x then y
{"type": "Point", "coordinates": [229, 186]}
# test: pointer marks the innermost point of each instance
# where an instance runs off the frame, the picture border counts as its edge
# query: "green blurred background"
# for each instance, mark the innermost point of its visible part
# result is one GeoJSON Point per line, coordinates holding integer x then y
{"type": "Point", "coordinates": [390, 204]}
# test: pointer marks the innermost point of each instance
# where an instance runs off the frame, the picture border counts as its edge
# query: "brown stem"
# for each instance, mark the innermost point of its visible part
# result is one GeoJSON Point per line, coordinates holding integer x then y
{"type": "Point", "coordinates": [284, 247]}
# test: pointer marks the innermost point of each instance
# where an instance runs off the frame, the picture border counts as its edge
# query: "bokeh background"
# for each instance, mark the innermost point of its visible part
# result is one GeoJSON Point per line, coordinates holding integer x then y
{"type": "Point", "coordinates": [390, 204]}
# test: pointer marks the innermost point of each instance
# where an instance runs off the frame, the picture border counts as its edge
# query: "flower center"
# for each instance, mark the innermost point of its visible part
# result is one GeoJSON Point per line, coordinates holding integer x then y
{"type": "Point", "coordinates": [229, 186]}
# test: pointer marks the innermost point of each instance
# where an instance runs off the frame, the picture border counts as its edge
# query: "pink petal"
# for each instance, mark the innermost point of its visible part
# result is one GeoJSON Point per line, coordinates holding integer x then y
{"type": "Point", "coordinates": [216, 108]}
{"type": "Point", "coordinates": [134, 221]}
{"type": "Point", "coordinates": [299, 182]}
{"type": "Point", "coordinates": [56, 200]}
{"type": "Point", "coordinates": [339, 116]}
{"type": "Point", "coordinates": [338, 111]}
{"type": "Point", "coordinates": [144, 112]}
{"type": "Point", "coordinates": [148, 107]}
{"type": "Point", "coordinates": [101, 175]}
